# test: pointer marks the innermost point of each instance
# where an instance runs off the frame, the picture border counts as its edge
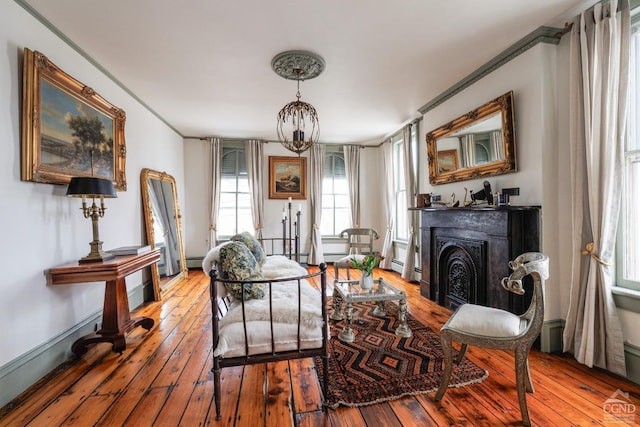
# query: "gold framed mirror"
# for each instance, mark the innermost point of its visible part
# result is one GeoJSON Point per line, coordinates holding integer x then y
{"type": "Point", "coordinates": [164, 228]}
{"type": "Point", "coordinates": [480, 143]}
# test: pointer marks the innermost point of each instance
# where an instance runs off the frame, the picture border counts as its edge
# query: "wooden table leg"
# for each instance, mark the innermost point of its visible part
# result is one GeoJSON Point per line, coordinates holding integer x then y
{"type": "Point", "coordinates": [116, 320]}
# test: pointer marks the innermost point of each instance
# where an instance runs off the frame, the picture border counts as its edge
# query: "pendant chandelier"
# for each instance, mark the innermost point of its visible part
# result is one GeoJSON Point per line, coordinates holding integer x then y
{"type": "Point", "coordinates": [298, 124]}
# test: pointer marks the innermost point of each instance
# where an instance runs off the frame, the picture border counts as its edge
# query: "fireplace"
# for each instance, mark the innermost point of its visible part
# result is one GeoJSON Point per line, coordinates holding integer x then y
{"type": "Point", "coordinates": [460, 271]}
{"type": "Point", "coordinates": [466, 252]}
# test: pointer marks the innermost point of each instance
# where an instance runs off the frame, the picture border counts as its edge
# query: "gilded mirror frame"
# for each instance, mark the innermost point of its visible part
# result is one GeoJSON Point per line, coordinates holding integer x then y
{"type": "Point", "coordinates": [502, 104]}
{"type": "Point", "coordinates": [159, 284]}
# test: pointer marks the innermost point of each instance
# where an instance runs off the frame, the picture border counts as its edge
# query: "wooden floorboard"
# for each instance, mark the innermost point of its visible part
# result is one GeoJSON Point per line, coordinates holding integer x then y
{"type": "Point", "coordinates": [164, 378]}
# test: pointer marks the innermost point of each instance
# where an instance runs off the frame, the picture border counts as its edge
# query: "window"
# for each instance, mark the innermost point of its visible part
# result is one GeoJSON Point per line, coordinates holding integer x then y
{"type": "Point", "coordinates": [401, 229]}
{"type": "Point", "coordinates": [336, 214]}
{"type": "Point", "coordinates": [234, 213]}
{"type": "Point", "coordinates": [628, 267]}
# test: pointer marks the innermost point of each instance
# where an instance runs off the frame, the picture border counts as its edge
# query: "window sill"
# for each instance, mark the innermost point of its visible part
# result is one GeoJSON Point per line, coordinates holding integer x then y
{"type": "Point", "coordinates": [626, 299]}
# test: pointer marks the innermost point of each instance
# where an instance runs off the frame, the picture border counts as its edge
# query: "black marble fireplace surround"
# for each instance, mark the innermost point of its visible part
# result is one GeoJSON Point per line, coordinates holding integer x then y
{"type": "Point", "coordinates": [466, 253]}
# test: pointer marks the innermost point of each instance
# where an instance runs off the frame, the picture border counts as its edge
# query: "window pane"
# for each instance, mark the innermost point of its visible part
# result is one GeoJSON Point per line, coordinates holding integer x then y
{"type": "Point", "coordinates": [632, 228]}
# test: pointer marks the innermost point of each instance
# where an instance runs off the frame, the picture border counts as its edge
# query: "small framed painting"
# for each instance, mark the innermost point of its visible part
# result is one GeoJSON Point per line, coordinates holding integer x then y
{"type": "Point", "coordinates": [447, 160]}
{"type": "Point", "coordinates": [287, 177]}
{"type": "Point", "coordinates": [68, 129]}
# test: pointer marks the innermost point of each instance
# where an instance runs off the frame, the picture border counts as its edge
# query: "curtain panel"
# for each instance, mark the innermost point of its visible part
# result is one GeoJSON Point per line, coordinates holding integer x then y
{"type": "Point", "coordinates": [599, 84]}
{"type": "Point", "coordinates": [388, 203]}
{"type": "Point", "coordinates": [215, 178]}
{"type": "Point", "coordinates": [316, 160]}
{"type": "Point", "coordinates": [254, 156]}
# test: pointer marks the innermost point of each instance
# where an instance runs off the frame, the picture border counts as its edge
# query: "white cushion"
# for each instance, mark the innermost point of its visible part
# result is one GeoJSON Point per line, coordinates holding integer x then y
{"type": "Point", "coordinates": [486, 321]}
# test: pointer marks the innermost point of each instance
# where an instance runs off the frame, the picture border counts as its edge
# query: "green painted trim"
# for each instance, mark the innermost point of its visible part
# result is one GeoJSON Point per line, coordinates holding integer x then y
{"type": "Point", "coordinates": [632, 361]}
{"type": "Point", "coordinates": [626, 299]}
{"type": "Point", "coordinates": [24, 371]}
{"type": "Point", "coordinates": [27, 7]}
{"type": "Point", "coordinates": [551, 336]}
{"type": "Point", "coordinates": [543, 34]}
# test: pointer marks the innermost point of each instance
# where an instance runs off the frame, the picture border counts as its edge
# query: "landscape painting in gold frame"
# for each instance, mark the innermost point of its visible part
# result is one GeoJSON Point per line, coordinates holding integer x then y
{"type": "Point", "coordinates": [67, 128]}
{"type": "Point", "coordinates": [287, 177]}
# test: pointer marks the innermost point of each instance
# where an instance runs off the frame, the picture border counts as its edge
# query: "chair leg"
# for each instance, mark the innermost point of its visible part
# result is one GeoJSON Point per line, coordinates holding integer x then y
{"type": "Point", "coordinates": [522, 378]}
{"type": "Point", "coordinates": [447, 350]}
{"type": "Point", "coordinates": [461, 354]}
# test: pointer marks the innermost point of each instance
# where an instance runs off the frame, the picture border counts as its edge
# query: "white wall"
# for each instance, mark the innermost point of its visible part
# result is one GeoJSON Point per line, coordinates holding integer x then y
{"type": "Point", "coordinates": [42, 227]}
{"type": "Point", "coordinates": [196, 179]}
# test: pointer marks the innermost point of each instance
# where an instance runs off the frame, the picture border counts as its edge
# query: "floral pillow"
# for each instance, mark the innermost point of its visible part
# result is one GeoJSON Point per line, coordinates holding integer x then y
{"type": "Point", "coordinates": [238, 263]}
{"type": "Point", "coordinates": [252, 243]}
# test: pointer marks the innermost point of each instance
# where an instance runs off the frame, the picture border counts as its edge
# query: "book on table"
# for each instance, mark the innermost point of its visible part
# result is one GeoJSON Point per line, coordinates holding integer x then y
{"type": "Point", "coordinates": [130, 250]}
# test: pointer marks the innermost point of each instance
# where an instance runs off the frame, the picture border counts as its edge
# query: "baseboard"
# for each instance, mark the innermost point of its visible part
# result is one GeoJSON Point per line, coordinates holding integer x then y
{"type": "Point", "coordinates": [632, 360]}
{"type": "Point", "coordinates": [551, 336]}
{"type": "Point", "coordinates": [25, 370]}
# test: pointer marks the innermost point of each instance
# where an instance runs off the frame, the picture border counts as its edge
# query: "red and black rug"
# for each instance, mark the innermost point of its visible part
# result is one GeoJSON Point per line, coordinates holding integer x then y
{"type": "Point", "coordinates": [380, 366]}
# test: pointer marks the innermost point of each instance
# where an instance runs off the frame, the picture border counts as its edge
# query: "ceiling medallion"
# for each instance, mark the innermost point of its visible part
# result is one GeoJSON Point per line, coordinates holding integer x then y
{"type": "Point", "coordinates": [298, 119]}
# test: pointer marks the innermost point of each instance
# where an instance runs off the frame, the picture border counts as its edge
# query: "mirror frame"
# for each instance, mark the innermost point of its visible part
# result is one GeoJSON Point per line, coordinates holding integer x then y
{"type": "Point", "coordinates": [145, 175]}
{"type": "Point", "coordinates": [503, 104]}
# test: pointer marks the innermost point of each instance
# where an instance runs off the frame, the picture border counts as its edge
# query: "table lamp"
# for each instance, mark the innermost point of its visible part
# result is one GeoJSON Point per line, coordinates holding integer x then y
{"type": "Point", "coordinates": [93, 187]}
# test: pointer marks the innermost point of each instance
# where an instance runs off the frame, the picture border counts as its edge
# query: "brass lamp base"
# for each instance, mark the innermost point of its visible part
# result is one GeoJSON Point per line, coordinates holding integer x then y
{"type": "Point", "coordinates": [96, 254]}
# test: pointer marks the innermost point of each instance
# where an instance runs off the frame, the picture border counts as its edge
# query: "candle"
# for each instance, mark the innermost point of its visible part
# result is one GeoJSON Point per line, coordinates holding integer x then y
{"type": "Point", "coordinates": [299, 207]}
{"type": "Point", "coordinates": [284, 215]}
{"type": "Point", "coordinates": [289, 200]}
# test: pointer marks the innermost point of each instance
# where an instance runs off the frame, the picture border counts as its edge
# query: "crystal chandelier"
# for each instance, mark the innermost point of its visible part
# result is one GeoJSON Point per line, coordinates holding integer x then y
{"type": "Point", "coordinates": [298, 124]}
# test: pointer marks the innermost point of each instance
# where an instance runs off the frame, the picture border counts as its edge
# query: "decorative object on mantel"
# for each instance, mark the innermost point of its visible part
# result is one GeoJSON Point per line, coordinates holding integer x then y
{"type": "Point", "coordinates": [380, 366]}
{"type": "Point", "coordinates": [484, 194]}
{"type": "Point", "coordinates": [93, 187]}
{"type": "Point", "coordinates": [296, 116]}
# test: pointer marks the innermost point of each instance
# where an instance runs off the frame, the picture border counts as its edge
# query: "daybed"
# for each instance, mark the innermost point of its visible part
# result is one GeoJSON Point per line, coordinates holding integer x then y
{"type": "Point", "coordinates": [264, 309]}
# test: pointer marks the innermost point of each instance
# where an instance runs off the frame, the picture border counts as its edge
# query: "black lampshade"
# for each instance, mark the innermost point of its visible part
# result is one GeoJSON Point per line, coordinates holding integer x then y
{"type": "Point", "coordinates": [90, 187]}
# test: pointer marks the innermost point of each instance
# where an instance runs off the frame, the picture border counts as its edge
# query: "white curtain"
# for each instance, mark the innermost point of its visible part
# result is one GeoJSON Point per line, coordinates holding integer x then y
{"type": "Point", "coordinates": [215, 177]}
{"type": "Point", "coordinates": [410, 187]}
{"type": "Point", "coordinates": [352, 169]}
{"type": "Point", "coordinates": [468, 150]}
{"type": "Point", "coordinates": [254, 156]}
{"type": "Point", "coordinates": [316, 160]}
{"type": "Point", "coordinates": [161, 200]}
{"type": "Point", "coordinates": [497, 146]}
{"type": "Point", "coordinates": [598, 109]}
{"type": "Point", "coordinates": [388, 203]}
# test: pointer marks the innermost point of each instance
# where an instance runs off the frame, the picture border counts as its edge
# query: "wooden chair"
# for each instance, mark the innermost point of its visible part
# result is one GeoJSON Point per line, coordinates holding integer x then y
{"type": "Point", "coordinates": [360, 244]}
{"type": "Point", "coordinates": [493, 328]}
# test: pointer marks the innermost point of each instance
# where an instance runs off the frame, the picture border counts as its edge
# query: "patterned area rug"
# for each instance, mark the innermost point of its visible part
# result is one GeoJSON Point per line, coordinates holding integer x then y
{"type": "Point", "coordinates": [380, 366]}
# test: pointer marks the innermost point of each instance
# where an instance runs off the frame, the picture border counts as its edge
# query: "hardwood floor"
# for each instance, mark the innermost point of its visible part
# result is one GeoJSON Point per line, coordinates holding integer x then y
{"type": "Point", "coordinates": [163, 378]}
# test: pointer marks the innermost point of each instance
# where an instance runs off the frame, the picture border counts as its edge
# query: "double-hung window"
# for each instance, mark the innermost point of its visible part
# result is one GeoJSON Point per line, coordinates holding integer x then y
{"type": "Point", "coordinates": [401, 230]}
{"type": "Point", "coordinates": [628, 257]}
{"type": "Point", "coordinates": [234, 213]}
{"type": "Point", "coordinates": [336, 214]}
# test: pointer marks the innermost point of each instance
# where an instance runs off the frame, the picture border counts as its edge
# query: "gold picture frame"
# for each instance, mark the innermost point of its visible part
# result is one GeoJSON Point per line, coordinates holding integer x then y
{"type": "Point", "coordinates": [287, 177]}
{"type": "Point", "coordinates": [67, 128]}
{"type": "Point", "coordinates": [447, 161]}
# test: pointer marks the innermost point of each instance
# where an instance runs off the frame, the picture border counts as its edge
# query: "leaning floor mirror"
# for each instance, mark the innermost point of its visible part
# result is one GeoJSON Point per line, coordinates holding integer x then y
{"type": "Point", "coordinates": [164, 229]}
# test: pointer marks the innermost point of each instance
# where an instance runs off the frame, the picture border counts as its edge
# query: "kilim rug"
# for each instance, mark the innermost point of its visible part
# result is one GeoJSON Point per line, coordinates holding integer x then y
{"type": "Point", "coordinates": [380, 366]}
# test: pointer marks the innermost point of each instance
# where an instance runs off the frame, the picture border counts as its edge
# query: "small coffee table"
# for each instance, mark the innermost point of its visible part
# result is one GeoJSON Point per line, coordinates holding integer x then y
{"type": "Point", "coordinates": [349, 291]}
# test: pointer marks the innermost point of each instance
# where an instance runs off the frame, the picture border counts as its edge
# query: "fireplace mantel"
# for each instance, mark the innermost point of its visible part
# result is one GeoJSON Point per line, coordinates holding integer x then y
{"type": "Point", "coordinates": [466, 252]}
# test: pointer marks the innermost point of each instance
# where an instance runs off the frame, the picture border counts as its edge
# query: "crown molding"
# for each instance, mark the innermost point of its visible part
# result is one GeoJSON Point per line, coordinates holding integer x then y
{"type": "Point", "coordinates": [543, 34]}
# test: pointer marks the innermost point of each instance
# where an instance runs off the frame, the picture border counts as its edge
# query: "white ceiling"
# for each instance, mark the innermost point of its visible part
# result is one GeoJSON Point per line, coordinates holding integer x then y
{"type": "Point", "coordinates": [204, 66]}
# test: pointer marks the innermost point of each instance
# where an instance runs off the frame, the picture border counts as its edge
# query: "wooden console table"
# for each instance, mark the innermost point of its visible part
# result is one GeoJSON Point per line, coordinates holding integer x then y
{"type": "Point", "coordinates": [116, 319]}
